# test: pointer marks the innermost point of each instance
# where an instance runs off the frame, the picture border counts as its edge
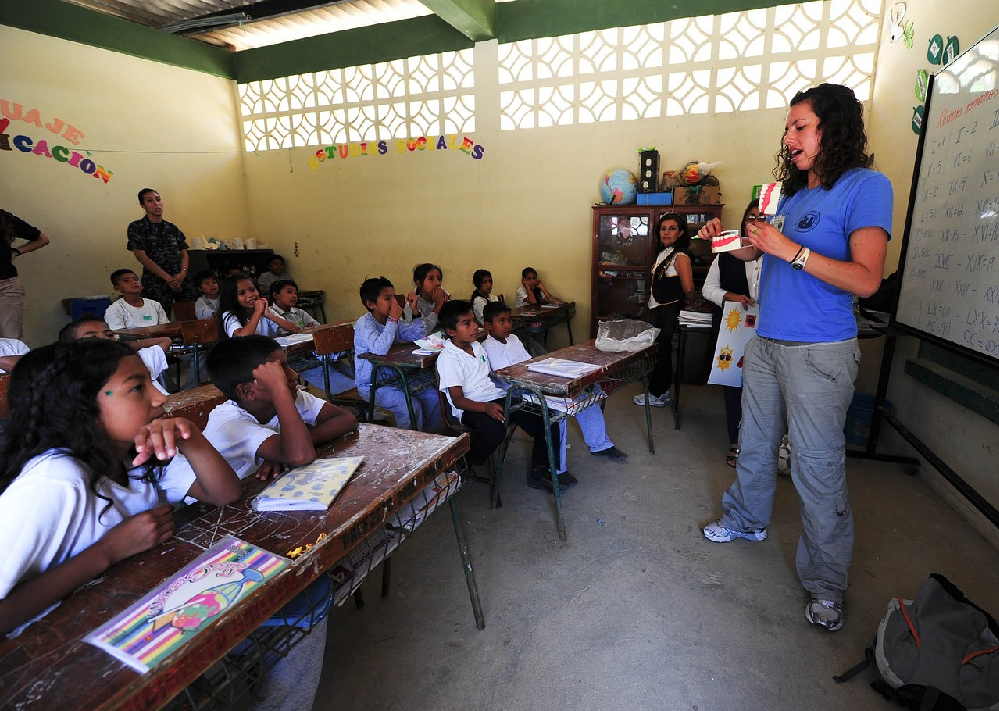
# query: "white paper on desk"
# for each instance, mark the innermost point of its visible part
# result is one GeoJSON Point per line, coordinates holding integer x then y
{"type": "Point", "coordinates": [285, 341]}
{"type": "Point", "coordinates": [550, 306]}
{"type": "Point", "coordinates": [738, 325]}
{"type": "Point", "coordinates": [562, 368]}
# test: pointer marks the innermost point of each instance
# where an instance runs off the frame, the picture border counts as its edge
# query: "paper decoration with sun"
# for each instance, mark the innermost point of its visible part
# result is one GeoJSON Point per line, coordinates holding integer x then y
{"type": "Point", "coordinates": [739, 325]}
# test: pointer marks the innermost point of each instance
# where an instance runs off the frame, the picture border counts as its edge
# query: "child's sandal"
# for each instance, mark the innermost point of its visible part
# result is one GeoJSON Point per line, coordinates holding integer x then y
{"type": "Point", "coordinates": [732, 456]}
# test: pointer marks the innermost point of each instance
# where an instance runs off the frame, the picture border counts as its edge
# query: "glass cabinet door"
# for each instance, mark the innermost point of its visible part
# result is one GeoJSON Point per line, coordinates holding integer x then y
{"type": "Point", "coordinates": [622, 266]}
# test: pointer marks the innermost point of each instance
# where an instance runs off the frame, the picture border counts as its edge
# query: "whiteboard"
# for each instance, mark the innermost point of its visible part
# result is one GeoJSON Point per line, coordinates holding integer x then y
{"type": "Point", "coordinates": [950, 270]}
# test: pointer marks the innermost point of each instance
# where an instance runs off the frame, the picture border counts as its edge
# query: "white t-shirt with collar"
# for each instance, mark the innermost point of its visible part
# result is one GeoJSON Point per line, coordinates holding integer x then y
{"type": "Point", "coordinates": [121, 314]}
{"type": "Point", "coordinates": [471, 372]}
{"type": "Point", "coordinates": [49, 513]}
{"type": "Point", "coordinates": [502, 355]}
{"type": "Point", "coordinates": [237, 434]}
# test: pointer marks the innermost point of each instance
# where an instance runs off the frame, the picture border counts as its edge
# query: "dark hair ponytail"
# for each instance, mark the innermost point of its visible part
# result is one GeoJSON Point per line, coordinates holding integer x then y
{"type": "Point", "coordinates": [229, 304]}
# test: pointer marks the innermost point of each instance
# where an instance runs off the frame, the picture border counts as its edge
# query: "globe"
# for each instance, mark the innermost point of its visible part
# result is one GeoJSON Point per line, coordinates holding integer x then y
{"type": "Point", "coordinates": [619, 187]}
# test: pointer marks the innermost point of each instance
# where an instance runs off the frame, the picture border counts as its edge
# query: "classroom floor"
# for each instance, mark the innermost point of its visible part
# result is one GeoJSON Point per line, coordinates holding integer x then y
{"type": "Point", "coordinates": [637, 610]}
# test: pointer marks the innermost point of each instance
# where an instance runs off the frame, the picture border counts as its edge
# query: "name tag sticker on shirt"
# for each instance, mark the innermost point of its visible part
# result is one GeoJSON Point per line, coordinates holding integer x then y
{"type": "Point", "coordinates": [147, 318]}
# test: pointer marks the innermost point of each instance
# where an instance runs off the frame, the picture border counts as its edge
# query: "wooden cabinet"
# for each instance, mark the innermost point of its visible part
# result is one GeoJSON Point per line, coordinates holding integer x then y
{"type": "Point", "coordinates": [624, 247]}
{"type": "Point", "coordinates": [252, 261]}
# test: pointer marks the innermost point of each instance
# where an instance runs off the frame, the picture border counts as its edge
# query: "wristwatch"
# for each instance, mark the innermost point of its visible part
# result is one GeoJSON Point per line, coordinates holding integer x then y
{"type": "Point", "coordinates": [800, 258]}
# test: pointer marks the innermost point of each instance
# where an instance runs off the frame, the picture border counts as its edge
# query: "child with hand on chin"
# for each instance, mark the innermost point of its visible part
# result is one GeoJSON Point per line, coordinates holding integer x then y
{"type": "Point", "coordinates": [532, 290]}
{"type": "Point", "coordinates": [376, 332]}
{"type": "Point", "coordinates": [243, 311]}
{"type": "Point", "coordinates": [478, 403]}
{"type": "Point", "coordinates": [428, 298]}
{"type": "Point", "coordinates": [88, 466]}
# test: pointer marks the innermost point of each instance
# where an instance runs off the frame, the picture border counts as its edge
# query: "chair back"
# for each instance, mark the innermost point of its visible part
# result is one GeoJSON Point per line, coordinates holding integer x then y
{"type": "Point", "coordinates": [199, 332]}
{"type": "Point", "coordinates": [195, 404]}
{"type": "Point", "coordinates": [4, 384]}
{"type": "Point", "coordinates": [328, 340]}
{"type": "Point", "coordinates": [184, 311]}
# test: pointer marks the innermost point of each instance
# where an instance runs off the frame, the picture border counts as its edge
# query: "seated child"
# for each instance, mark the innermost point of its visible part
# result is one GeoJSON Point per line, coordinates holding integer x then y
{"type": "Point", "coordinates": [267, 418]}
{"type": "Point", "coordinates": [532, 291]}
{"type": "Point", "coordinates": [477, 402]}
{"type": "Point", "coordinates": [503, 349]}
{"type": "Point", "coordinates": [482, 280]}
{"type": "Point", "coordinates": [87, 469]}
{"type": "Point", "coordinates": [11, 351]}
{"type": "Point", "coordinates": [376, 332]}
{"type": "Point", "coordinates": [243, 311]}
{"type": "Point", "coordinates": [207, 304]}
{"type": "Point", "coordinates": [276, 269]}
{"type": "Point", "coordinates": [152, 351]}
{"type": "Point", "coordinates": [284, 303]}
{"type": "Point", "coordinates": [426, 301]}
{"type": "Point", "coordinates": [131, 310]}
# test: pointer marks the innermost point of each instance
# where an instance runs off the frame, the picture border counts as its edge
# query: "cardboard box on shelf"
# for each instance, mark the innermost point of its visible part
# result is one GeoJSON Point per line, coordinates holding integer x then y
{"type": "Point", "coordinates": [697, 195]}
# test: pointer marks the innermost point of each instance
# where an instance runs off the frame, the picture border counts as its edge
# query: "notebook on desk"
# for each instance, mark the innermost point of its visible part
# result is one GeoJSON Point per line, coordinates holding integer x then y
{"type": "Point", "coordinates": [310, 488]}
{"type": "Point", "coordinates": [182, 606]}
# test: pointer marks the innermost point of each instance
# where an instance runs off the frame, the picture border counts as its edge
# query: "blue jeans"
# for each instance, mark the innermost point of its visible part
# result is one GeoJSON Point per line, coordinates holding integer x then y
{"type": "Point", "coordinates": [426, 406]}
{"type": "Point", "coordinates": [810, 387]}
{"type": "Point", "coordinates": [594, 428]}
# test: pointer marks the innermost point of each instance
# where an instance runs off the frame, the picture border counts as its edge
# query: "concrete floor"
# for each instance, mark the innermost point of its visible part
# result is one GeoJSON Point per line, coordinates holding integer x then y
{"type": "Point", "coordinates": [637, 610]}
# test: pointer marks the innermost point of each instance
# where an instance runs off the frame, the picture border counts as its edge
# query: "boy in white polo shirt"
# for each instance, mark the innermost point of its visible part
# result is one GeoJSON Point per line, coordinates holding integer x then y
{"type": "Point", "coordinates": [131, 310]}
{"type": "Point", "coordinates": [477, 402]}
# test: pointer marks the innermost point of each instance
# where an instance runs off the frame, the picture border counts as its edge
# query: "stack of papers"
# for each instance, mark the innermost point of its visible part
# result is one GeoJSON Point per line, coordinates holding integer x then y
{"type": "Point", "coordinates": [285, 341]}
{"type": "Point", "coordinates": [697, 319]}
{"type": "Point", "coordinates": [309, 488]}
{"type": "Point", "coordinates": [562, 368]}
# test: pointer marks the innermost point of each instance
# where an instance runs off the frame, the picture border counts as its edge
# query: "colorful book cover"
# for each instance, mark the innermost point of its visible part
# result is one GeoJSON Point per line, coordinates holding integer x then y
{"type": "Point", "coordinates": [309, 488]}
{"type": "Point", "coordinates": [181, 607]}
{"type": "Point", "coordinates": [562, 367]}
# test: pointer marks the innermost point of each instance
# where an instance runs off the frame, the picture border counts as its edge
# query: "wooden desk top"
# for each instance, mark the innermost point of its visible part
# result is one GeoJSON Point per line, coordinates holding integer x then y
{"type": "Point", "coordinates": [49, 666]}
{"type": "Point", "coordinates": [538, 313]}
{"type": "Point", "coordinates": [587, 352]}
{"type": "Point", "coordinates": [401, 355]}
{"type": "Point", "coordinates": [172, 329]}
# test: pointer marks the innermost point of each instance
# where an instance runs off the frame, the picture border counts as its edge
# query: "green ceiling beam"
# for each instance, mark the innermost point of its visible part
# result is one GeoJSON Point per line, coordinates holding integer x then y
{"type": "Point", "coordinates": [78, 24]}
{"type": "Point", "coordinates": [530, 19]}
{"type": "Point", "coordinates": [350, 48]}
{"type": "Point", "coordinates": [476, 19]}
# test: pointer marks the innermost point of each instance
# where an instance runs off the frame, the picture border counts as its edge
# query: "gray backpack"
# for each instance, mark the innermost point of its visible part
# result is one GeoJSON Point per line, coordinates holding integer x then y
{"type": "Point", "coordinates": [939, 652]}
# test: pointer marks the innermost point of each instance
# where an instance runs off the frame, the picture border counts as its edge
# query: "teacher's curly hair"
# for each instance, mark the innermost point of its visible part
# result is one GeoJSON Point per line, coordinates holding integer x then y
{"type": "Point", "coordinates": [843, 144]}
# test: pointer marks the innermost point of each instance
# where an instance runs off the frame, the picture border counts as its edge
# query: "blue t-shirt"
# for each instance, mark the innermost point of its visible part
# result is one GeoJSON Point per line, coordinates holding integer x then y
{"type": "Point", "coordinates": [796, 306]}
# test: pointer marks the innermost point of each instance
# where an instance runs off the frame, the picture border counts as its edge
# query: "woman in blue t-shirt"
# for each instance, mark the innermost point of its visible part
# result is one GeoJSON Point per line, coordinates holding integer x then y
{"type": "Point", "coordinates": [826, 244]}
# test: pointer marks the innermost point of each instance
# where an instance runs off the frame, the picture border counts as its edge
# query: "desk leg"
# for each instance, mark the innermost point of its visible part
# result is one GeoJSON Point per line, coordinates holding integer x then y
{"type": "Point", "coordinates": [371, 395]}
{"type": "Point", "coordinates": [326, 375]}
{"type": "Point", "coordinates": [678, 376]}
{"type": "Point", "coordinates": [197, 365]}
{"type": "Point", "coordinates": [552, 468]}
{"type": "Point", "coordinates": [501, 457]}
{"type": "Point", "coordinates": [466, 563]}
{"type": "Point", "coordinates": [387, 576]}
{"type": "Point", "coordinates": [568, 325]}
{"type": "Point", "coordinates": [409, 398]}
{"type": "Point", "coordinates": [648, 414]}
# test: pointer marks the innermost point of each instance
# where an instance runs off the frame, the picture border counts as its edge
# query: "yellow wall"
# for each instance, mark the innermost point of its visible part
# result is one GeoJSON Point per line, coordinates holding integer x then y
{"type": "Point", "coordinates": [151, 124]}
{"type": "Point", "coordinates": [526, 202]}
{"type": "Point", "coordinates": [963, 439]}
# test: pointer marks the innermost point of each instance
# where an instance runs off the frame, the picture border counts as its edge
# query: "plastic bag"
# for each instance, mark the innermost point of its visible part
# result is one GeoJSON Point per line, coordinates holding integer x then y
{"type": "Point", "coordinates": [625, 335]}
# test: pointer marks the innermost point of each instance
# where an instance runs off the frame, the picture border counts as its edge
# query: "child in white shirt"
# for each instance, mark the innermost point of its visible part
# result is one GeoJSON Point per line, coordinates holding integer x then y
{"type": "Point", "coordinates": [207, 304]}
{"type": "Point", "coordinates": [131, 310]}
{"type": "Point", "coordinates": [503, 349]}
{"type": "Point", "coordinates": [284, 304]}
{"type": "Point", "coordinates": [478, 403]}
{"type": "Point", "coordinates": [11, 351]}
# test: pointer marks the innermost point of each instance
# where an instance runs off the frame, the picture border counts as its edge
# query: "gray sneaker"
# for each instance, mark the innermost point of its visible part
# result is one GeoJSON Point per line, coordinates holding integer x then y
{"type": "Point", "coordinates": [654, 400]}
{"type": "Point", "coordinates": [825, 613]}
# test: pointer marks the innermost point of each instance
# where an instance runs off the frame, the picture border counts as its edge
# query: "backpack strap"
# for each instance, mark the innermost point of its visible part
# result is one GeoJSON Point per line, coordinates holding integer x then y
{"type": "Point", "coordinates": [908, 620]}
{"type": "Point", "coordinates": [856, 668]}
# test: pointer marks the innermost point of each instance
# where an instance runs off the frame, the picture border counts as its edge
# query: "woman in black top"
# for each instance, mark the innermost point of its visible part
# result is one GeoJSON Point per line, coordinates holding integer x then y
{"type": "Point", "coordinates": [13, 228]}
{"type": "Point", "coordinates": [672, 282]}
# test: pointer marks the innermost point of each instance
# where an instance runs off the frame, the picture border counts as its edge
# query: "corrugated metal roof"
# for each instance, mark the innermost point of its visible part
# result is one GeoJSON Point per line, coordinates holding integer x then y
{"type": "Point", "coordinates": [322, 18]}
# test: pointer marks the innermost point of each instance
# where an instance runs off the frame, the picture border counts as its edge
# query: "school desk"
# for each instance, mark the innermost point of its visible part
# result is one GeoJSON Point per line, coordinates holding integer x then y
{"type": "Point", "coordinates": [616, 370]}
{"type": "Point", "coordinates": [49, 667]}
{"type": "Point", "coordinates": [195, 404]}
{"type": "Point", "coordinates": [404, 362]}
{"type": "Point", "coordinates": [546, 318]}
